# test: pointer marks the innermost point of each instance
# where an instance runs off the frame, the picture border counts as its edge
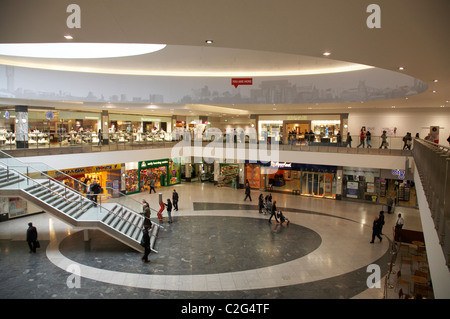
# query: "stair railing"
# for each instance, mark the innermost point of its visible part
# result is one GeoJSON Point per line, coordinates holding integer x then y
{"type": "Point", "coordinates": [123, 200]}
{"type": "Point", "coordinates": [101, 209]}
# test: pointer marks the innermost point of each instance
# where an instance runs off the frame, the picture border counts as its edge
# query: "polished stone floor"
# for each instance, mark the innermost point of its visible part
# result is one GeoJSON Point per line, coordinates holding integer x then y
{"type": "Point", "coordinates": [219, 247]}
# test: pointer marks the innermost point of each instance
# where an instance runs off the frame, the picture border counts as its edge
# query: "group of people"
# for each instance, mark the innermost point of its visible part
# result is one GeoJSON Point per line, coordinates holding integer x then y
{"type": "Point", "coordinates": [265, 204]}
{"type": "Point", "coordinates": [364, 137]}
{"type": "Point", "coordinates": [146, 212]}
{"type": "Point", "coordinates": [378, 223]}
{"type": "Point", "coordinates": [93, 190]}
{"type": "Point", "coordinates": [407, 141]}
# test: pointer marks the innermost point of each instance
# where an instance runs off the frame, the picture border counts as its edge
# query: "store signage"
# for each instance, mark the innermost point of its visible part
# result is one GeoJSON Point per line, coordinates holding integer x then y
{"type": "Point", "coordinates": [241, 81]}
{"type": "Point", "coordinates": [156, 163]}
{"type": "Point", "coordinates": [399, 172]}
{"type": "Point", "coordinates": [281, 164]}
{"type": "Point", "coordinates": [84, 170]}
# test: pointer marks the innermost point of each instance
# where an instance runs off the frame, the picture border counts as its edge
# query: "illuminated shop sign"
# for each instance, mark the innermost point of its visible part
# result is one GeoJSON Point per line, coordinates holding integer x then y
{"type": "Point", "coordinates": [156, 163]}
{"type": "Point", "coordinates": [281, 164]}
{"type": "Point", "coordinates": [399, 172]}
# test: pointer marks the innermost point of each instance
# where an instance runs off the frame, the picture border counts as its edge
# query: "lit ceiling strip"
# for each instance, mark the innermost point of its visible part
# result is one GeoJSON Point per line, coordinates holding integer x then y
{"type": "Point", "coordinates": [77, 50]}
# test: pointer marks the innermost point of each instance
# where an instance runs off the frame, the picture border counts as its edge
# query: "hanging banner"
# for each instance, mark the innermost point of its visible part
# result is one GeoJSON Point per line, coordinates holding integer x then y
{"type": "Point", "coordinates": [241, 81]}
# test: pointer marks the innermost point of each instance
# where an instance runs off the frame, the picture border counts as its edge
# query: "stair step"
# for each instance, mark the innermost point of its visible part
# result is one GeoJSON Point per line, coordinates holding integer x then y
{"type": "Point", "coordinates": [12, 182]}
{"type": "Point", "coordinates": [84, 210]}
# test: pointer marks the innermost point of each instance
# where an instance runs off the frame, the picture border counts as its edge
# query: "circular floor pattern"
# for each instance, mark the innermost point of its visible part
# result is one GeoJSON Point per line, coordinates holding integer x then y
{"type": "Point", "coordinates": [199, 245]}
{"type": "Point", "coordinates": [336, 256]}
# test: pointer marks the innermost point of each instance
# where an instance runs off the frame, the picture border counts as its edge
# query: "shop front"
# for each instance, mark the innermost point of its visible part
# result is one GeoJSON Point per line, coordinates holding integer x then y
{"type": "Point", "coordinates": [164, 172]}
{"type": "Point", "coordinates": [107, 176]}
{"type": "Point", "coordinates": [304, 179]}
{"type": "Point", "coordinates": [228, 175]}
{"type": "Point", "coordinates": [362, 183]}
{"type": "Point", "coordinates": [300, 129]}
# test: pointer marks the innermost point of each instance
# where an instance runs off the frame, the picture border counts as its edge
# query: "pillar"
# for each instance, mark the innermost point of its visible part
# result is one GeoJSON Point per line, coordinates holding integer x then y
{"type": "Point", "coordinates": [105, 127]}
{"type": "Point", "coordinates": [21, 130]}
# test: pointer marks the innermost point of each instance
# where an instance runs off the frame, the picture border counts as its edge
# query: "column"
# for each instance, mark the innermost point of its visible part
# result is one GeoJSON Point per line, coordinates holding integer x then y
{"type": "Point", "coordinates": [339, 177]}
{"type": "Point", "coordinates": [105, 127]}
{"type": "Point", "coordinates": [21, 130]}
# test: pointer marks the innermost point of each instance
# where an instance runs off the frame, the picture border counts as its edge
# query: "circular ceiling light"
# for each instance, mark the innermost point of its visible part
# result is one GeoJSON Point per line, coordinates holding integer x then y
{"type": "Point", "coordinates": [77, 50]}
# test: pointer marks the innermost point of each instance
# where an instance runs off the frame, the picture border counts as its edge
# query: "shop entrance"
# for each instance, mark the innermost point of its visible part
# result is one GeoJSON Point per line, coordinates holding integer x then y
{"type": "Point", "coordinates": [318, 184]}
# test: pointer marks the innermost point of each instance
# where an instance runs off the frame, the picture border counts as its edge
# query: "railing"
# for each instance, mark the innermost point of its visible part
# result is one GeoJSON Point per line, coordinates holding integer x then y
{"type": "Point", "coordinates": [40, 171]}
{"type": "Point", "coordinates": [88, 142]}
{"type": "Point", "coordinates": [433, 163]}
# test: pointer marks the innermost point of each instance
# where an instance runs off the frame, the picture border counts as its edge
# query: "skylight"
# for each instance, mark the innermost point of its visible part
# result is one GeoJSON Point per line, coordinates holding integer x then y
{"type": "Point", "coordinates": [77, 50]}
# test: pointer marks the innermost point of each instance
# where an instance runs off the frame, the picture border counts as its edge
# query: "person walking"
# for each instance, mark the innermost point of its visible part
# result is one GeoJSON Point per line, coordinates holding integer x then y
{"type": "Point", "coordinates": [32, 237]}
{"type": "Point", "coordinates": [339, 138]}
{"type": "Point", "coordinates": [349, 140]}
{"type": "Point", "coordinates": [400, 222]}
{"type": "Point", "coordinates": [384, 142]}
{"type": "Point", "coordinates": [361, 139]}
{"type": "Point", "coordinates": [389, 203]}
{"type": "Point", "coordinates": [273, 211]}
{"type": "Point", "coordinates": [247, 192]}
{"type": "Point", "coordinates": [146, 212]}
{"type": "Point", "coordinates": [100, 138]}
{"type": "Point", "coordinates": [376, 230]}
{"type": "Point", "coordinates": [145, 242]}
{"type": "Point", "coordinates": [381, 221]}
{"type": "Point", "coordinates": [152, 185]}
{"type": "Point", "coordinates": [169, 210]}
{"type": "Point", "coordinates": [368, 139]}
{"type": "Point", "coordinates": [261, 203]}
{"type": "Point", "coordinates": [96, 189]}
{"type": "Point", "coordinates": [175, 200]}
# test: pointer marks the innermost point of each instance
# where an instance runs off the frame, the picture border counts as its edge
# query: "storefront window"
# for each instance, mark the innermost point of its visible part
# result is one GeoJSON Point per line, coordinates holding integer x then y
{"type": "Point", "coordinates": [229, 175]}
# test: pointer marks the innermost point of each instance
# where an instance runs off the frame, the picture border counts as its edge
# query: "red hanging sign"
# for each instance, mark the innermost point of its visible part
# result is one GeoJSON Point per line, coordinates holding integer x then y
{"type": "Point", "coordinates": [241, 81]}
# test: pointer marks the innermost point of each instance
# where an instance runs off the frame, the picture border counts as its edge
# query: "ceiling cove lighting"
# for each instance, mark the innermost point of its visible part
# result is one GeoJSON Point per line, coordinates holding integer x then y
{"type": "Point", "coordinates": [77, 50]}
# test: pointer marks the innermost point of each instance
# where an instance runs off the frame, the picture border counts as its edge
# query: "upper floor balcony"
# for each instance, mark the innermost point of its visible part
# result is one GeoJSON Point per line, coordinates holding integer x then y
{"type": "Point", "coordinates": [42, 143]}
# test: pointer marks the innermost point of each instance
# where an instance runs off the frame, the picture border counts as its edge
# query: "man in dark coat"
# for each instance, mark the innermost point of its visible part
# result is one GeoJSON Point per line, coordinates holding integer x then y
{"type": "Point", "coordinates": [247, 192]}
{"type": "Point", "coordinates": [32, 236]}
{"type": "Point", "coordinates": [146, 243]}
{"type": "Point", "coordinates": [376, 229]}
{"type": "Point", "coordinates": [175, 199]}
{"type": "Point", "coordinates": [96, 189]}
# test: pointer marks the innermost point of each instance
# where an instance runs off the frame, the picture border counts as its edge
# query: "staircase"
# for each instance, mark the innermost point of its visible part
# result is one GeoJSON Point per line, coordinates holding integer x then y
{"type": "Point", "coordinates": [113, 216]}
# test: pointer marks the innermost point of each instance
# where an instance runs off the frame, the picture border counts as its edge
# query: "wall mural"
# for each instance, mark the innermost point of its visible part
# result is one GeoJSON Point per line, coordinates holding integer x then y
{"type": "Point", "coordinates": [355, 86]}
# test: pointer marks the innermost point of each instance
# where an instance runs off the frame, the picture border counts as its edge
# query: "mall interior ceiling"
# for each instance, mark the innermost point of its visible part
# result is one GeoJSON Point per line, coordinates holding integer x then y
{"type": "Point", "coordinates": [238, 39]}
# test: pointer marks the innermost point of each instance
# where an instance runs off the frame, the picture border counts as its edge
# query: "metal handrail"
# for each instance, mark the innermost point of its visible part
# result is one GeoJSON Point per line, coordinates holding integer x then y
{"type": "Point", "coordinates": [75, 180]}
{"type": "Point", "coordinates": [74, 191]}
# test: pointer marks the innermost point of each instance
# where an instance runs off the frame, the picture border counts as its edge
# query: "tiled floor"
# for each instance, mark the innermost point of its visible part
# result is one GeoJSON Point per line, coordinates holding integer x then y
{"type": "Point", "coordinates": [219, 246]}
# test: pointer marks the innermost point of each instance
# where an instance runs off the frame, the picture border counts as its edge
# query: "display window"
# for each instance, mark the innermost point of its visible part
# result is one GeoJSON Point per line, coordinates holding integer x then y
{"type": "Point", "coordinates": [229, 175]}
{"type": "Point", "coordinates": [164, 172]}
{"type": "Point", "coordinates": [107, 176]}
{"type": "Point", "coordinates": [131, 181]}
{"type": "Point", "coordinates": [318, 184]}
{"type": "Point", "coordinates": [253, 175]}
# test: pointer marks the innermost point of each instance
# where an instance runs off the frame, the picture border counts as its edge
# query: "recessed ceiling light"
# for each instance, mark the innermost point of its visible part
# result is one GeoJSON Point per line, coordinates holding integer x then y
{"type": "Point", "coordinates": [326, 53]}
{"type": "Point", "coordinates": [393, 106]}
{"type": "Point", "coordinates": [74, 50]}
{"type": "Point", "coordinates": [435, 81]}
{"type": "Point", "coordinates": [401, 68]}
{"type": "Point", "coordinates": [209, 41]}
{"type": "Point", "coordinates": [434, 91]}
{"type": "Point", "coordinates": [68, 37]}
